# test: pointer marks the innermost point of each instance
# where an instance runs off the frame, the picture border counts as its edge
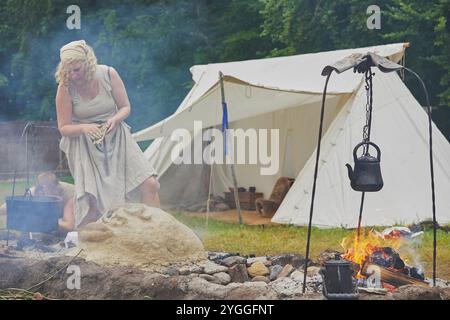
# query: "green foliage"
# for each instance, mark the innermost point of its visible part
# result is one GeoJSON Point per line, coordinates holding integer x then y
{"type": "Point", "coordinates": [153, 43]}
{"type": "Point", "coordinates": [309, 26]}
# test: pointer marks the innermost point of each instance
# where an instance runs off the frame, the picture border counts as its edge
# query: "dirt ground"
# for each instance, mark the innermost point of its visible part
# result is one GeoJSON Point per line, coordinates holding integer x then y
{"type": "Point", "coordinates": [52, 278]}
{"type": "Point", "coordinates": [231, 216]}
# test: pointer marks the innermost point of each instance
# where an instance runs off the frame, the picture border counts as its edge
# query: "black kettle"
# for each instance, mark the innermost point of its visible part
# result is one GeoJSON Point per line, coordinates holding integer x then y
{"type": "Point", "coordinates": [367, 173]}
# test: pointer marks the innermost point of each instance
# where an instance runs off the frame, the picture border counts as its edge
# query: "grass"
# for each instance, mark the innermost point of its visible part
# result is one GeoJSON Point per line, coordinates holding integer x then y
{"type": "Point", "coordinates": [6, 189]}
{"type": "Point", "coordinates": [276, 239]}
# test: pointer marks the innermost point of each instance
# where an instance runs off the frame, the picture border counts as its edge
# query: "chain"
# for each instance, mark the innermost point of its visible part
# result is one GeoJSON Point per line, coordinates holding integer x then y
{"type": "Point", "coordinates": [366, 129]}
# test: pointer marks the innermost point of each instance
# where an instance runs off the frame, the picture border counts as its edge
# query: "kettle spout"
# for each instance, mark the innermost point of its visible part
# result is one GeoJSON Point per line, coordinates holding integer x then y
{"type": "Point", "coordinates": [350, 171]}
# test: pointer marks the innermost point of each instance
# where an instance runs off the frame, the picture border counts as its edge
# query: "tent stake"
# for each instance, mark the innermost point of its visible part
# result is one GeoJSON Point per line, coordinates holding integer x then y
{"type": "Point", "coordinates": [224, 128]}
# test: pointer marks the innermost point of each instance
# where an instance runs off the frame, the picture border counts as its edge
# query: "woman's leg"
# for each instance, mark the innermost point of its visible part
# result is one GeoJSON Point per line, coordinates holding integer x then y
{"type": "Point", "coordinates": [67, 222]}
{"type": "Point", "coordinates": [93, 214]}
{"type": "Point", "coordinates": [149, 192]}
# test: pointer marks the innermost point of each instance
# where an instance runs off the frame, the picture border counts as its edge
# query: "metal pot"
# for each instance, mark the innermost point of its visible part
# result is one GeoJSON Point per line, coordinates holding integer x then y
{"type": "Point", "coordinates": [338, 281]}
{"type": "Point", "coordinates": [33, 213]}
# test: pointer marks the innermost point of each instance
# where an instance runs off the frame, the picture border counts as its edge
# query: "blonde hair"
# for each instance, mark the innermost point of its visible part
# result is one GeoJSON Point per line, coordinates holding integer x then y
{"type": "Point", "coordinates": [89, 61]}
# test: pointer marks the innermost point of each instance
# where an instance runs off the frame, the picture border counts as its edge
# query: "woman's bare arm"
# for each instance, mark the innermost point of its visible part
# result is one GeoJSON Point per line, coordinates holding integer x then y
{"type": "Point", "coordinates": [64, 115]}
{"type": "Point", "coordinates": [120, 96]}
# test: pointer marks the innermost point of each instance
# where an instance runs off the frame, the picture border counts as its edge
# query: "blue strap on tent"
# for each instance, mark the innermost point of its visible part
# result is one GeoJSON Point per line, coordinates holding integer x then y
{"type": "Point", "coordinates": [225, 125]}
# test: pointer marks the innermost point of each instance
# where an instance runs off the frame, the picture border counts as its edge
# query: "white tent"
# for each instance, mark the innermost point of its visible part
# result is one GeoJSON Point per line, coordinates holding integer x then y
{"type": "Point", "coordinates": [285, 94]}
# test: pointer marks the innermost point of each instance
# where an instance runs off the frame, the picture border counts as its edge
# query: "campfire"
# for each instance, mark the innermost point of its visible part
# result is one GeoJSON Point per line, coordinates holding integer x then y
{"type": "Point", "coordinates": [376, 259]}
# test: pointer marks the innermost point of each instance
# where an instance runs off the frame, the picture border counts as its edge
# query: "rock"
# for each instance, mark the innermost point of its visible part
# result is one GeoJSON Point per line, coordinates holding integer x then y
{"type": "Point", "coordinates": [372, 296]}
{"type": "Point", "coordinates": [313, 271]}
{"type": "Point", "coordinates": [231, 261]}
{"type": "Point", "coordinates": [199, 288]}
{"type": "Point", "coordinates": [263, 260]}
{"type": "Point", "coordinates": [207, 277]}
{"type": "Point", "coordinates": [295, 260]}
{"type": "Point", "coordinates": [326, 255]}
{"type": "Point", "coordinates": [238, 273]}
{"type": "Point", "coordinates": [222, 278]}
{"type": "Point", "coordinates": [298, 276]}
{"type": "Point", "coordinates": [411, 292]}
{"type": "Point", "coordinates": [444, 293]}
{"type": "Point", "coordinates": [210, 267]}
{"type": "Point", "coordinates": [250, 291]}
{"type": "Point", "coordinates": [190, 269]}
{"type": "Point", "coordinates": [287, 270]}
{"type": "Point", "coordinates": [275, 271]}
{"type": "Point", "coordinates": [261, 278]}
{"type": "Point", "coordinates": [138, 235]}
{"type": "Point", "coordinates": [219, 256]}
{"type": "Point", "coordinates": [316, 279]}
{"type": "Point", "coordinates": [311, 280]}
{"type": "Point", "coordinates": [286, 287]}
{"type": "Point", "coordinates": [172, 271]}
{"type": "Point", "coordinates": [439, 282]}
{"type": "Point", "coordinates": [257, 269]}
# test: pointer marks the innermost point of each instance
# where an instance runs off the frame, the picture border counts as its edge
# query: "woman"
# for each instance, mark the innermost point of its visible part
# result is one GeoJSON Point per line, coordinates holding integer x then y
{"type": "Point", "coordinates": [110, 168]}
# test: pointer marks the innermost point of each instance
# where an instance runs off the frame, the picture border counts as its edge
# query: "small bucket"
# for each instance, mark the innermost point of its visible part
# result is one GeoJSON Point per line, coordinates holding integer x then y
{"type": "Point", "coordinates": [33, 213]}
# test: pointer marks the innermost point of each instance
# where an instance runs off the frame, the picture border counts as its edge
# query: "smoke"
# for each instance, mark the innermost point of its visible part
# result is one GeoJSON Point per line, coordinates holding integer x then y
{"type": "Point", "coordinates": [146, 44]}
{"type": "Point", "coordinates": [36, 151]}
{"type": "Point", "coordinates": [409, 251]}
{"type": "Point", "coordinates": [151, 46]}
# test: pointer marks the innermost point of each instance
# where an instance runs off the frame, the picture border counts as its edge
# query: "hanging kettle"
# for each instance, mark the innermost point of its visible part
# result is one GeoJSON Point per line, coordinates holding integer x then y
{"type": "Point", "coordinates": [367, 173]}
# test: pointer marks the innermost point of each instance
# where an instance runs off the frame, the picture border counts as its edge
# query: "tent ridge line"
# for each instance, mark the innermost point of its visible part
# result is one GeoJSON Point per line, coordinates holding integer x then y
{"type": "Point", "coordinates": [239, 81]}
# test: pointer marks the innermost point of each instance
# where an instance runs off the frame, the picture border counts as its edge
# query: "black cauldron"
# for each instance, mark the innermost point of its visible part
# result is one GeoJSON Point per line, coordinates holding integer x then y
{"type": "Point", "coordinates": [33, 213]}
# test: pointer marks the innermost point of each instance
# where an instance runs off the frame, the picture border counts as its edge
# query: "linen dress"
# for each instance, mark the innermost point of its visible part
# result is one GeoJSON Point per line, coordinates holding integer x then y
{"type": "Point", "coordinates": [111, 171]}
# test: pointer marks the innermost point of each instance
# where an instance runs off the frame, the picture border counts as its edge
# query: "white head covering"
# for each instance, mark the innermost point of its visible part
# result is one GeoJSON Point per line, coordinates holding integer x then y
{"type": "Point", "coordinates": [75, 50]}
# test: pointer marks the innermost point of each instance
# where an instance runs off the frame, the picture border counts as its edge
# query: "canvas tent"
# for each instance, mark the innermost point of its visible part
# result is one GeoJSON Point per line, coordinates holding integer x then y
{"type": "Point", "coordinates": [285, 93]}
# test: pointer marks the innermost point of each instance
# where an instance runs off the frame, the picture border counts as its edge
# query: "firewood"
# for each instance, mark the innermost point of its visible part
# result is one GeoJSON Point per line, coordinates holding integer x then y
{"type": "Point", "coordinates": [394, 278]}
{"type": "Point", "coordinates": [380, 291]}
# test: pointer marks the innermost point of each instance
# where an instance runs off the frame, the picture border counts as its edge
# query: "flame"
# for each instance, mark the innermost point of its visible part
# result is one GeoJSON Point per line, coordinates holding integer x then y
{"type": "Point", "coordinates": [359, 250]}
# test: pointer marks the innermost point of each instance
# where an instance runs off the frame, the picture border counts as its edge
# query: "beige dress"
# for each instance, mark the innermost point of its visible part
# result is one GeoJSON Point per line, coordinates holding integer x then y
{"type": "Point", "coordinates": [112, 171]}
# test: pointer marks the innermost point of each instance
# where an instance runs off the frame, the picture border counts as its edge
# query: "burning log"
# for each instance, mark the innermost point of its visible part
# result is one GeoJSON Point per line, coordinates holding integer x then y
{"type": "Point", "coordinates": [394, 278]}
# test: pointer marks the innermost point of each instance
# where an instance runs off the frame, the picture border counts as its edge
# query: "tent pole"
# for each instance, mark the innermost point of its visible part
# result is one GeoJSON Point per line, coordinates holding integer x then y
{"type": "Point", "coordinates": [433, 198]}
{"type": "Point", "coordinates": [236, 195]}
{"type": "Point", "coordinates": [224, 128]}
{"type": "Point", "coordinates": [308, 240]}
{"type": "Point", "coordinates": [209, 194]}
{"type": "Point", "coordinates": [210, 182]}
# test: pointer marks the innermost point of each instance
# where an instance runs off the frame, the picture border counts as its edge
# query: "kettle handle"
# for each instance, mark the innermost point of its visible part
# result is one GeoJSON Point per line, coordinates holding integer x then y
{"type": "Point", "coordinates": [368, 143]}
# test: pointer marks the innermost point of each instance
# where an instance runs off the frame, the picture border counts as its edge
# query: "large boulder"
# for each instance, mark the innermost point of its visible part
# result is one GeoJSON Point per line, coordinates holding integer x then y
{"type": "Point", "coordinates": [138, 235]}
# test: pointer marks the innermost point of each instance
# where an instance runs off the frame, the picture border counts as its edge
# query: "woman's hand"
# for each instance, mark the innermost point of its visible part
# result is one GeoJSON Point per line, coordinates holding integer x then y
{"type": "Point", "coordinates": [92, 130]}
{"type": "Point", "coordinates": [111, 123]}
